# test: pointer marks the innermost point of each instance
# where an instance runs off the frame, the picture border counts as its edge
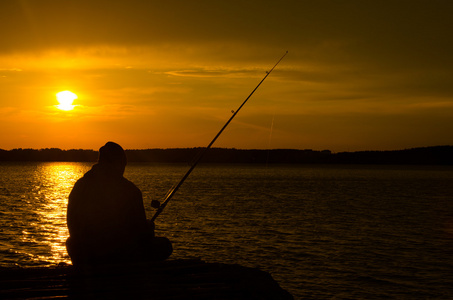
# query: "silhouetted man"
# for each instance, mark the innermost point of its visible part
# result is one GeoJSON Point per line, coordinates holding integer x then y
{"type": "Point", "coordinates": [106, 217]}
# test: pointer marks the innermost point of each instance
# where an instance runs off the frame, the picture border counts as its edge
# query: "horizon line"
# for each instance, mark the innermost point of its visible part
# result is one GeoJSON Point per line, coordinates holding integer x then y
{"type": "Point", "coordinates": [227, 148]}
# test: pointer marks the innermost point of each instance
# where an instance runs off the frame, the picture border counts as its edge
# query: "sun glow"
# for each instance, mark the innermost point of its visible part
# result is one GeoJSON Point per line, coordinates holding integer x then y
{"type": "Point", "coordinates": [65, 99]}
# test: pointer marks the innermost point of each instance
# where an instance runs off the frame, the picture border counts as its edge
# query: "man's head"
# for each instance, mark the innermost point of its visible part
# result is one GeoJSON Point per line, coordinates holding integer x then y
{"type": "Point", "coordinates": [113, 154]}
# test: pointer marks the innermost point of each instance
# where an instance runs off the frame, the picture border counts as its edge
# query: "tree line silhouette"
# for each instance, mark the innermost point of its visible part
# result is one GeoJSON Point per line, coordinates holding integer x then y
{"type": "Point", "coordinates": [437, 155]}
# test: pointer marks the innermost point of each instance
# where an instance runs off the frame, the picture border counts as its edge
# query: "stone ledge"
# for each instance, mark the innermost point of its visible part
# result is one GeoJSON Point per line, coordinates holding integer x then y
{"type": "Point", "coordinates": [172, 279]}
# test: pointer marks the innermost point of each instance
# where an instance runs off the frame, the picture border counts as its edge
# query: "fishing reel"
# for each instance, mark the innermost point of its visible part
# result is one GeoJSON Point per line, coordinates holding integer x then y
{"type": "Point", "coordinates": [155, 204]}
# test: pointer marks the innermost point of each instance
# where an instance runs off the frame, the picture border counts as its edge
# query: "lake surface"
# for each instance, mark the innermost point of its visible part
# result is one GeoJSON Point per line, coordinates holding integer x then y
{"type": "Point", "coordinates": [323, 232]}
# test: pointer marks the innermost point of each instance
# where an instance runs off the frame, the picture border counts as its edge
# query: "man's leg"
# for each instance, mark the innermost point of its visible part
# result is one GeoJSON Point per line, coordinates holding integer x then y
{"type": "Point", "coordinates": [158, 249]}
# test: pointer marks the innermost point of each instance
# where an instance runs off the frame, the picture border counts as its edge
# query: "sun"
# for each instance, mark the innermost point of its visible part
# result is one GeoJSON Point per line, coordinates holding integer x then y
{"type": "Point", "coordinates": [65, 99]}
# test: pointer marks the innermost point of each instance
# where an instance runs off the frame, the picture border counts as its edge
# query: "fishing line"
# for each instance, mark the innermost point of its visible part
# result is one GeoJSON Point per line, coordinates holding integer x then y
{"type": "Point", "coordinates": [173, 190]}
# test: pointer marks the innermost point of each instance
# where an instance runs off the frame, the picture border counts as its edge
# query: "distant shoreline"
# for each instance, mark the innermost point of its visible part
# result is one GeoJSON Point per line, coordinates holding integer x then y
{"type": "Point", "coordinates": [435, 155]}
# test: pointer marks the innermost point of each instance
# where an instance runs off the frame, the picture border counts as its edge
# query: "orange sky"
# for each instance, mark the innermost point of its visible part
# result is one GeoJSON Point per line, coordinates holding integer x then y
{"type": "Point", "coordinates": [359, 75]}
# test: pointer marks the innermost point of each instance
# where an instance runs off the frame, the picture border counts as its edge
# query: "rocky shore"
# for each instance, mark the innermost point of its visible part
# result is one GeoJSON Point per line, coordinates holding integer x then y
{"type": "Point", "coordinates": [172, 279]}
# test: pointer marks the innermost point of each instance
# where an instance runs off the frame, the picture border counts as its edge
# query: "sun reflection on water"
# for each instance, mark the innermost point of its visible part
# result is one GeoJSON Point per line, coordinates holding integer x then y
{"type": "Point", "coordinates": [52, 184]}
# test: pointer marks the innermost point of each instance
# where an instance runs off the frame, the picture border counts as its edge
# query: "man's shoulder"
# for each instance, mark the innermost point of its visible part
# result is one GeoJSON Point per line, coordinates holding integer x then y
{"type": "Point", "coordinates": [130, 185]}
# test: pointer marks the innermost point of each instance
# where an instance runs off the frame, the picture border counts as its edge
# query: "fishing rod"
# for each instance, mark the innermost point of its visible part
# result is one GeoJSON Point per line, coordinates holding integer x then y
{"type": "Point", "coordinates": [172, 191]}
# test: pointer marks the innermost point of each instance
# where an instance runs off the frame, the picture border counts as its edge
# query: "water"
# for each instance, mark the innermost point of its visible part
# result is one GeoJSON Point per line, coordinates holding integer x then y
{"type": "Point", "coordinates": [323, 232]}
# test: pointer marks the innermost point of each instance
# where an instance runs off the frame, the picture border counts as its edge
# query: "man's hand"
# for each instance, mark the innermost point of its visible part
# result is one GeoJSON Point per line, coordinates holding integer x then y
{"type": "Point", "coordinates": [151, 227]}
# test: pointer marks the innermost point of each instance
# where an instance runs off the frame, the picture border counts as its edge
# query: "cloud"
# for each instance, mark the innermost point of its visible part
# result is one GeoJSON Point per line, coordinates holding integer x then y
{"type": "Point", "coordinates": [207, 73]}
{"type": "Point", "coordinates": [11, 70]}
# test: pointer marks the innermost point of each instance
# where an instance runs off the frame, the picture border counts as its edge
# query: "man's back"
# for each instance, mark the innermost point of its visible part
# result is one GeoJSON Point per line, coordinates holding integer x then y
{"type": "Point", "coordinates": [105, 208]}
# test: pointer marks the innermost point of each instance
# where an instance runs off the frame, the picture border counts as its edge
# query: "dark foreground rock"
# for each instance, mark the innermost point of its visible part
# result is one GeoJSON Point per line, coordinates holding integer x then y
{"type": "Point", "coordinates": [173, 279]}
